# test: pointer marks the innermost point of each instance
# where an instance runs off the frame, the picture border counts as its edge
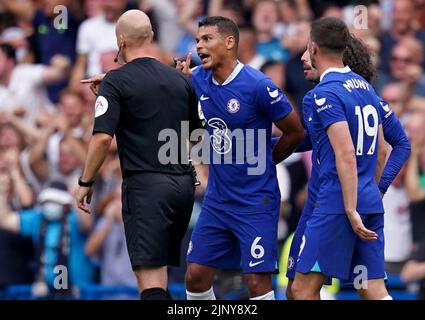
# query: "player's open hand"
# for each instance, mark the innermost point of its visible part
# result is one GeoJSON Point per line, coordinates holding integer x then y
{"type": "Point", "coordinates": [83, 199]}
{"type": "Point", "coordinates": [359, 228]}
{"type": "Point", "coordinates": [94, 83]}
{"type": "Point", "coordinates": [185, 65]}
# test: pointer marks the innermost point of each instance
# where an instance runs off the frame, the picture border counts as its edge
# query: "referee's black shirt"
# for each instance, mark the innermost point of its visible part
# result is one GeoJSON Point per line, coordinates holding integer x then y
{"type": "Point", "coordinates": [135, 103]}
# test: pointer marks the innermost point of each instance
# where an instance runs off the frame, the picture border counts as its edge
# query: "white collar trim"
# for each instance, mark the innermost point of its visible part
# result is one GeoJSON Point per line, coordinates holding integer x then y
{"type": "Point", "coordinates": [346, 69]}
{"type": "Point", "coordinates": [232, 76]}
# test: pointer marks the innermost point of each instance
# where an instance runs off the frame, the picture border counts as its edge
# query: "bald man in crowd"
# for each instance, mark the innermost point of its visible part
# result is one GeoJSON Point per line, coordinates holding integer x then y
{"type": "Point", "coordinates": [135, 103]}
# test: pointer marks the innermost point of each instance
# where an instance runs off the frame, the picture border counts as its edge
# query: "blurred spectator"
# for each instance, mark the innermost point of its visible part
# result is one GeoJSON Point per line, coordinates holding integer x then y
{"type": "Point", "coordinates": [232, 10]}
{"type": "Point", "coordinates": [275, 71]}
{"type": "Point", "coordinates": [71, 107]}
{"type": "Point", "coordinates": [17, 38]}
{"type": "Point", "coordinates": [166, 14]}
{"type": "Point", "coordinates": [392, 93]}
{"type": "Point", "coordinates": [285, 27]}
{"type": "Point", "coordinates": [92, 8]}
{"type": "Point", "coordinates": [371, 42]}
{"type": "Point", "coordinates": [397, 228]}
{"type": "Point", "coordinates": [374, 20]}
{"type": "Point", "coordinates": [19, 194]}
{"type": "Point", "coordinates": [406, 66]}
{"type": "Point", "coordinates": [414, 269]}
{"type": "Point", "coordinates": [28, 98]}
{"type": "Point", "coordinates": [48, 38]}
{"type": "Point", "coordinates": [296, 86]}
{"type": "Point", "coordinates": [420, 12]}
{"type": "Point", "coordinates": [264, 19]}
{"type": "Point", "coordinates": [332, 9]}
{"type": "Point", "coordinates": [190, 12]}
{"type": "Point", "coordinates": [16, 252]}
{"type": "Point", "coordinates": [415, 178]}
{"type": "Point", "coordinates": [56, 231]}
{"type": "Point", "coordinates": [247, 49]}
{"type": "Point", "coordinates": [60, 154]}
{"type": "Point", "coordinates": [17, 135]}
{"type": "Point", "coordinates": [107, 243]}
{"type": "Point", "coordinates": [90, 45]}
{"type": "Point", "coordinates": [403, 24]}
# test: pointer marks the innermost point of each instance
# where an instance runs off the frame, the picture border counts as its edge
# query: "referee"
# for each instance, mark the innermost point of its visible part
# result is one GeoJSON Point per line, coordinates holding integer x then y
{"type": "Point", "coordinates": [135, 103]}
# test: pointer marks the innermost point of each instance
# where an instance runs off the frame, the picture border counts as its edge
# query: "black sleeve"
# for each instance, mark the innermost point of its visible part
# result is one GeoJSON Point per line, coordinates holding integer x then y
{"type": "Point", "coordinates": [195, 121]}
{"type": "Point", "coordinates": [107, 106]}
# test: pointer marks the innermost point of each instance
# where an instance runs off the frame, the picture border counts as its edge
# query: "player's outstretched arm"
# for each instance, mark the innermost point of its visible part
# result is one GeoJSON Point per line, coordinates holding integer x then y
{"type": "Point", "coordinates": [292, 135]}
{"type": "Point", "coordinates": [346, 165]}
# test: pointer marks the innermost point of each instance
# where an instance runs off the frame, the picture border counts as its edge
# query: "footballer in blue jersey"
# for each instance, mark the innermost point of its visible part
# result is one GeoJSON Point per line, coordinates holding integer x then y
{"type": "Point", "coordinates": [237, 227]}
{"type": "Point", "coordinates": [357, 57]}
{"type": "Point", "coordinates": [347, 125]}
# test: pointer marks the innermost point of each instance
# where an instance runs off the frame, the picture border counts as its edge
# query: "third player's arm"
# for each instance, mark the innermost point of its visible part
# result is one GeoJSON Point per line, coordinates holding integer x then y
{"type": "Point", "coordinates": [395, 135]}
{"type": "Point", "coordinates": [346, 165]}
{"type": "Point", "coordinates": [382, 155]}
{"type": "Point", "coordinates": [292, 135]}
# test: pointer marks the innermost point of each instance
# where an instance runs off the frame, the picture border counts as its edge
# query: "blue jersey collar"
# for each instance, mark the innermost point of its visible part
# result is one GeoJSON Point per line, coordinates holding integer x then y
{"type": "Point", "coordinates": [232, 76]}
{"type": "Point", "coordinates": [346, 69]}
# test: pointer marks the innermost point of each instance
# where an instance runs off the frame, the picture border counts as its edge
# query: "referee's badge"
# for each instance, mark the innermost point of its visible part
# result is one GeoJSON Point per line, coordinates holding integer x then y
{"type": "Point", "coordinates": [100, 106]}
{"type": "Point", "coordinates": [233, 105]}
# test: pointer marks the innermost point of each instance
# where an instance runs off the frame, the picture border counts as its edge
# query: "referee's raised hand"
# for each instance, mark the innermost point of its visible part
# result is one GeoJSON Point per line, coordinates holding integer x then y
{"type": "Point", "coordinates": [94, 83]}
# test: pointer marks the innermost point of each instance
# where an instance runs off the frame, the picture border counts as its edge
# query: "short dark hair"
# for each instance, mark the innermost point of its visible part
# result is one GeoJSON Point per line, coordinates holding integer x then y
{"type": "Point", "coordinates": [224, 26]}
{"type": "Point", "coordinates": [359, 59]}
{"type": "Point", "coordinates": [330, 34]}
{"type": "Point", "coordinates": [8, 50]}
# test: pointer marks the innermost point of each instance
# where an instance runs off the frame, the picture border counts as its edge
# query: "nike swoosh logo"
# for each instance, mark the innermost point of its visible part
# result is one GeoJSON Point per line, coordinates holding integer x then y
{"type": "Point", "coordinates": [253, 264]}
{"type": "Point", "coordinates": [386, 107]}
{"type": "Point", "coordinates": [319, 102]}
{"type": "Point", "coordinates": [204, 98]}
{"type": "Point", "coordinates": [273, 93]}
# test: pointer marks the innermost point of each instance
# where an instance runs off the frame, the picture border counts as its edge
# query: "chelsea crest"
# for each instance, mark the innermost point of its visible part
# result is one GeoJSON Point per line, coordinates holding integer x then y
{"type": "Point", "coordinates": [233, 106]}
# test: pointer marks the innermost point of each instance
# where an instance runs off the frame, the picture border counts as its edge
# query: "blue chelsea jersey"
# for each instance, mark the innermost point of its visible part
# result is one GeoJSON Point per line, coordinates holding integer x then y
{"type": "Point", "coordinates": [342, 95]}
{"type": "Point", "coordinates": [239, 114]}
{"type": "Point", "coordinates": [313, 181]}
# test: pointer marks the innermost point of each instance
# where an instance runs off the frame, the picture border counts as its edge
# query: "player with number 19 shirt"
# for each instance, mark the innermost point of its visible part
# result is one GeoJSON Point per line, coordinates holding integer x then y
{"type": "Point", "coordinates": [342, 95]}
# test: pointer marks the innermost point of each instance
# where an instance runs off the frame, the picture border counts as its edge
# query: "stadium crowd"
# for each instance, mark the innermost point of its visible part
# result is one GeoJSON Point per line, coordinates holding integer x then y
{"type": "Point", "coordinates": [46, 120]}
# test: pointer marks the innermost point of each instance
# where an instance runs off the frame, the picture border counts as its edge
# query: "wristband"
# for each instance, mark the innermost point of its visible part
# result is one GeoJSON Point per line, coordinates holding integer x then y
{"type": "Point", "coordinates": [82, 183]}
